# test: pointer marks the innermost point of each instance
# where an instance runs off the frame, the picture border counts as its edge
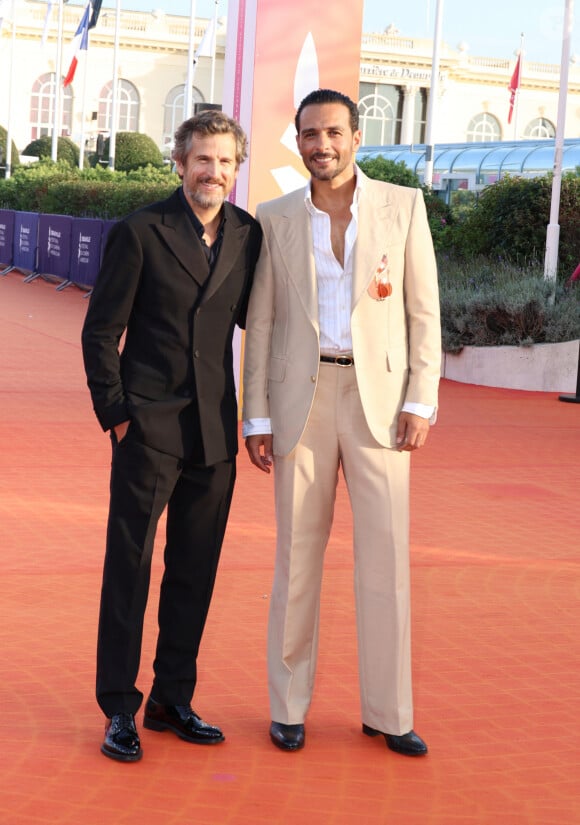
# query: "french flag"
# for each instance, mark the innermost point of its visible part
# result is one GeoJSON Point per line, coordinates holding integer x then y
{"type": "Point", "coordinates": [79, 43]}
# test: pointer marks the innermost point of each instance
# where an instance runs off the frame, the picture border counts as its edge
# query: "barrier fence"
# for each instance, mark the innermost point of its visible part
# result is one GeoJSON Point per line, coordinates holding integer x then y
{"type": "Point", "coordinates": [56, 247]}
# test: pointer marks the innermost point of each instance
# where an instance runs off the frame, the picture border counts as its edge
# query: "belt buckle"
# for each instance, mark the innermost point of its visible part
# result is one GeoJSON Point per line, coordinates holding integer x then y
{"type": "Point", "coordinates": [344, 361]}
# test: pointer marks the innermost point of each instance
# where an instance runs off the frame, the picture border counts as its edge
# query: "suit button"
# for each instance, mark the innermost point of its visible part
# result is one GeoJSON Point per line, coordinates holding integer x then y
{"type": "Point", "coordinates": [196, 354]}
{"type": "Point", "coordinates": [313, 379]}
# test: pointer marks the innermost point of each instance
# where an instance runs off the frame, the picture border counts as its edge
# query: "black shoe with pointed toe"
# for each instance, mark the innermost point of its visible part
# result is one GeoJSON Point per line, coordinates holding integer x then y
{"type": "Point", "coordinates": [181, 720]}
{"type": "Point", "coordinates": [287, 737]}
{"type": "Point", "coordinates": [409, 744]}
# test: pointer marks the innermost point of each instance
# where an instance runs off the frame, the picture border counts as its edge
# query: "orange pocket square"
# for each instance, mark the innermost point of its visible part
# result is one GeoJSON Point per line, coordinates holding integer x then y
{"type": "Point", "coordinates": [381, 287]}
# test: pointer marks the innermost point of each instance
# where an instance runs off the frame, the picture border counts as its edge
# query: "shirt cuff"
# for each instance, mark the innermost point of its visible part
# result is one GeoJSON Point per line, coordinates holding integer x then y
{"type": "Point", "coordinates": [256, 426]}
{"type": "Point", "coordinates": [422, 410]}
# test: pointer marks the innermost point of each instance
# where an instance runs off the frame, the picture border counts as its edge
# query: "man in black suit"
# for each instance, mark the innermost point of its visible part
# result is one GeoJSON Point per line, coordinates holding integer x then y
{"type": "Point", "coordinates": [175, 280]}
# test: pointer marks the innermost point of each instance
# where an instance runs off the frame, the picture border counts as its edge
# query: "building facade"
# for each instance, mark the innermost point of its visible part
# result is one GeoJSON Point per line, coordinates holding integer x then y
{"type": "Point", "coordinates": [152, 62]}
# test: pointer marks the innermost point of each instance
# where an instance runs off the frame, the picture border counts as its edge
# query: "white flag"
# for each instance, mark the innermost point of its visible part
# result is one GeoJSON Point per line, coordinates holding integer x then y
{"type": "Point", "coordinates": [206, 47]}
{"type": "Point", "coordinates": [46, 22]}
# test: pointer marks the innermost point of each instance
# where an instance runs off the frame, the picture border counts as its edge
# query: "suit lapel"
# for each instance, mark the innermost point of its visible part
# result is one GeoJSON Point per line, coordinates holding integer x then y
{"type": "Point", "coordinates": [235, 235]}
{"type": "Point", "coordinates": [293, 233]}
{"type": "Point", "coordinates": [183, 242]}
{"type": "Point", "coordinates": [177, 232]}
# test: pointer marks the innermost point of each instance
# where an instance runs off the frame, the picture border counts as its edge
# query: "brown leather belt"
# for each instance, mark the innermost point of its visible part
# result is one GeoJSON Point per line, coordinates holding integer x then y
{"type": "Point", "coordinates": [339, 360]}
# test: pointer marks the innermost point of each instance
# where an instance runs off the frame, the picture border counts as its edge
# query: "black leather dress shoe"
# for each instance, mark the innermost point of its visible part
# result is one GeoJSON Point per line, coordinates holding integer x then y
{"type": "Point", "coordinates": [121, 739]}
{"type": "Point", "coordinates": [409, 744]}
{"type": "Point", "coordinates": [182, 721]}
{"type": "Point", "coordinates": [287, 737]}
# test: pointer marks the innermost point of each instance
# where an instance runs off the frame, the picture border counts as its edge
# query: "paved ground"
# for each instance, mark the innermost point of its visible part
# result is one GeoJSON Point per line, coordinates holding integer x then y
{"type": "Point", "coordinates": [496, 558]}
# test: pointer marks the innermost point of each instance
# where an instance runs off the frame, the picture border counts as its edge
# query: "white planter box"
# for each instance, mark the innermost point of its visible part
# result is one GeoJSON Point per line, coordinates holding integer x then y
{"type": "Point", "coordinates": [541, 367]}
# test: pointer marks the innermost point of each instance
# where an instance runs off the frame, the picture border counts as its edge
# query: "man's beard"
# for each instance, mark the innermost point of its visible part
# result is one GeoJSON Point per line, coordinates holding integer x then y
{"type": "Point", "coordinates": [326, 174]}
{"type": "Point", "coordinates": [207, 200]}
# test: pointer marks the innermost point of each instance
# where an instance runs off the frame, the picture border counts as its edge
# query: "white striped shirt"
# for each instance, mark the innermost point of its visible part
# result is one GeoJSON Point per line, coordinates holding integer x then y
{"type": "Point", "coordinates": [334, 280]}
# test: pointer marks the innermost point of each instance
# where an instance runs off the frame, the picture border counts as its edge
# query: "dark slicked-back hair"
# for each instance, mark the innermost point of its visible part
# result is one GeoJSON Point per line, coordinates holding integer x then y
{"type": "Point", "coordinates": [206, 123]}
{"type": "Point", "coordinates": [328, 96]}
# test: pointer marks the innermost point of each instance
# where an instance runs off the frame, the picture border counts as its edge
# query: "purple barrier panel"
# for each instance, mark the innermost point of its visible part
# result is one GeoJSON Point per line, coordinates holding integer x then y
{"type": "Point", "coordinates": [6, 236]}
{"type": "Point", "coordinates": [86, 237]}
{"type": "Point", "coordinates": [54, 251]}
{"type": "Point", "coordinates": [25, 242]}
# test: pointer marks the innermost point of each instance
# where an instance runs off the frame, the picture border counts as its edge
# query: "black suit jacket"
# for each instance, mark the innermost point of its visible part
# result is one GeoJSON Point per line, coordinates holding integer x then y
{"type": "Point", "coordinates": [173, 376]}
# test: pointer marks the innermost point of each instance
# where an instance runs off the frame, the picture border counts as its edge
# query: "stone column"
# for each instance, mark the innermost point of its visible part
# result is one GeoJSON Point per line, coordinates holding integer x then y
{"type": "Point", "coordinates": [408, 120]}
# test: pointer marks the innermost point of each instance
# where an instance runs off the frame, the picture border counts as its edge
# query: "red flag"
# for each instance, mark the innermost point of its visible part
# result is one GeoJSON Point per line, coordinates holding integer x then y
{"type": "Point", "coordinates": [79, 43]}
{"type": "Point", "coordinates": [515, 85]}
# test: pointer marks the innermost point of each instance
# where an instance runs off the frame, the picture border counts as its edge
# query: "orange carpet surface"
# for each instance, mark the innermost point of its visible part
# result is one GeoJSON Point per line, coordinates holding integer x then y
{"type": "Point", "coordinates": [496, 622]}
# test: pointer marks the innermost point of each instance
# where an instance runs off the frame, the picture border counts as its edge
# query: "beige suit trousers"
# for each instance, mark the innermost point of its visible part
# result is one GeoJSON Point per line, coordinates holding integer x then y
{"type": "Point", "coordinates": [305, 489]}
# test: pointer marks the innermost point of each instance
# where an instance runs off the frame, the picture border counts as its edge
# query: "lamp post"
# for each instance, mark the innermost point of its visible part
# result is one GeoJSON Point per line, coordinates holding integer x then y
{"type": "Point", "coordinates": [57, 100]}
{"type": "Point", "coordinates": [188, 91]}
{"type": "Point", "coordinates": [433, 95]}
{"type": "Point", "coordinates": [553, 230]}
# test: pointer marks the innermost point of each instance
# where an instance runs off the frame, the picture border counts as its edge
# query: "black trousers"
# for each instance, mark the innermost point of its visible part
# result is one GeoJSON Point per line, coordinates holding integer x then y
{"type": "Point", "coordinates": [144, 482]}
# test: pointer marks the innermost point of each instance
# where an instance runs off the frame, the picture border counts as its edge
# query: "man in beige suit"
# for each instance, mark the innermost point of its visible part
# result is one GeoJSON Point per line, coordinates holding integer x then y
{"type": "Point", "coordinates": [341, 369]}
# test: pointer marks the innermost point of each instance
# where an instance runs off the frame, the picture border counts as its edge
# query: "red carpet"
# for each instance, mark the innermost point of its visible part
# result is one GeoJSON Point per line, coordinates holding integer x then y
{"type": "Point", "coordinates": [496, 618]}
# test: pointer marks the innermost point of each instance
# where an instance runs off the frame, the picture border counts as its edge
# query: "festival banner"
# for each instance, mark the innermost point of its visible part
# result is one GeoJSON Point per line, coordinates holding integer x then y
{"type": "Point", "coordinates": [25, 241]}
{"type": "Point", "coordinates": [277, 52]}
{"type": "Point", "coordinates": [54, 245]}
{"type": "Point", "coordinates": [86, 236]}
{"type": "Point", "coordinates": [6, 236]}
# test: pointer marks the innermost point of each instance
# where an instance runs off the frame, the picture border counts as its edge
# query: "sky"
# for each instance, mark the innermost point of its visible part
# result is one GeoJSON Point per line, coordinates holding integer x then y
{"type": "Point", "coordinates": [491, 28]}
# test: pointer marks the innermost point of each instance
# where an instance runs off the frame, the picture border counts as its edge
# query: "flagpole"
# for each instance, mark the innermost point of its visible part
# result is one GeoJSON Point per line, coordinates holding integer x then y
{"type": "Point", "coordinates": [114, 96]}
{"type": "Point", "coordinates": [433, 95]}
{"type": "Point", "coordinates": [188, 91]}
{"type": "Point", "coordinates": [57, 84]}
{"type": "Point", "coordinates": [83, 111]}
{"type": "Point", "coordinates": [517, 100]}
{"type": "Point", "coordinates": [8, 164]}
{"type": "Point", "coordinates": [213, 56]}
{"type": "Point", "coordinates": [553, 229]}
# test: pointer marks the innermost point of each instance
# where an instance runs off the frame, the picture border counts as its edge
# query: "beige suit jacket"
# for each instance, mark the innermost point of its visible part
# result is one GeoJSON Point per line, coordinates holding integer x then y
{"type": "Point", "coordinates": [396, 342]}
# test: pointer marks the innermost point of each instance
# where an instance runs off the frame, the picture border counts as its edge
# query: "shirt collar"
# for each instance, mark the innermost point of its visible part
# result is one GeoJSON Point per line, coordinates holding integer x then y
{"type": "Point", "coordinates": [355, 200]}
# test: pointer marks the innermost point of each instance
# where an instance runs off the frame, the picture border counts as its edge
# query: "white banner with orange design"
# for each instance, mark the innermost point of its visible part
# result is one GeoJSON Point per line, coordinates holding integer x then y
{"type": "Point", "coordinates": [277, 52]}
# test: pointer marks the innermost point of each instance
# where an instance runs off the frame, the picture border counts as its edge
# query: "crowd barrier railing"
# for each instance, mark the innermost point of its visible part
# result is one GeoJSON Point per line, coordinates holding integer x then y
{"type": "Point", "coordinates": [55, 247]}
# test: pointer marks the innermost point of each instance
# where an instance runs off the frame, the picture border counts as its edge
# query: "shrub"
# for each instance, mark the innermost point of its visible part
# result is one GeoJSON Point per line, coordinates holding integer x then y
{"type": "Point", "coordinates": [14, 156]}
{"type": "Point", "coordinates": [60, 189]}
{"type": "Point", "coordinates": [380, 168]}
{"type": "Point", "coordinates": [510, 218]}
{"type": "Point", "coordinates": [132, 151]}
{"type": "Point", "coordinates": [66, 149]}
{"type": "Point", "coordinates": [487, 304]}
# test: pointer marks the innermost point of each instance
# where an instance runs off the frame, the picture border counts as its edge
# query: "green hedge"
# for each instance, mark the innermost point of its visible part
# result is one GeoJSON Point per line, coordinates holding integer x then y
{"type": "Point", "coordinates": [133, 150]}
{"type": "Point", "coordinates": [66, 149]}
{"type": "Point", "coordinates": [509, 221]}
{"type": "Point", "coordinates": [60, 189]}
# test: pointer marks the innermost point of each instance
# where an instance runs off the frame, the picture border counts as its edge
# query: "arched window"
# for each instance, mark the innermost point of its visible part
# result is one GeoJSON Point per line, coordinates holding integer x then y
{"type": "Point", "coordinates": [540, 128]}
{"type": "Point", "coordinates": [483, 128]}
{"type": "Point", "coordinates": [42, 107]}
{"type": "Point", "coordinates": [173, 112]}
{"type": "Point", "coordinates": [380, 114]}
{"type": "Point", "coordinates": [127, 107]}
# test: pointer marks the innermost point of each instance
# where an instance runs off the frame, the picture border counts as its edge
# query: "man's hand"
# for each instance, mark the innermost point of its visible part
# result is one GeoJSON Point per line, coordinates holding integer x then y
{"type": "Point", "coordinates": [259, 448]}
{"type": "Point", "coordinates": [412, 431]}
